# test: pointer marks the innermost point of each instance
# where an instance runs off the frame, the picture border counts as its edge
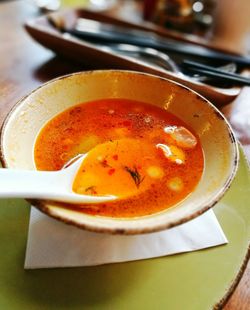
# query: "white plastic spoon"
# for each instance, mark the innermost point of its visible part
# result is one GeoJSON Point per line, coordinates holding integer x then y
{"type": "Point", "coordinates": [47, 185]}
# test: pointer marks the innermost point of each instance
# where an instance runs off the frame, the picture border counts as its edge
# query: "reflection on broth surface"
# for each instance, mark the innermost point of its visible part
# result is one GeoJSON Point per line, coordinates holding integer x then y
{"type": "Point", "coordinates": [137, 151]}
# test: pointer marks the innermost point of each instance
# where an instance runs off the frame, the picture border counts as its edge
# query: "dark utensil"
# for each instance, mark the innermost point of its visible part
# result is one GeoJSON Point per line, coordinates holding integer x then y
{"type": "Point", "coordinates": [164, 61]}
{"type": "Point", "coordinates": [149, 54]}
{"type": "Point", "coordinates": [216, 73]}
{"type": "Point", "coordinates": [98, 32]}
{"type": "Point", "coordinates": [107, 33]}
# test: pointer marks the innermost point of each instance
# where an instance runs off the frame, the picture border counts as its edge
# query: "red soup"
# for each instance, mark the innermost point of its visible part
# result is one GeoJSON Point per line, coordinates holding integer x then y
{"type": "Point", "coordinates": [142, 154]}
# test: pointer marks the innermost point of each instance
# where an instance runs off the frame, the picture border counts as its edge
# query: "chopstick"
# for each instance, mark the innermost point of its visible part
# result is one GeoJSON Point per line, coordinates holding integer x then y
{"type": "Point", "coordinates": [160, 44]}
{"type": "Point", "coordinates": [214, 72]}
{"type": "Point", "coordinates": [110, 33]}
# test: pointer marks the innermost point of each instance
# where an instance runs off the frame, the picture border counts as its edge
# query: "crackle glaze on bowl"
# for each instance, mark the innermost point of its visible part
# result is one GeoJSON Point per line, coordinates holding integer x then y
{"type": "Point", "coordinates": [26, 119]}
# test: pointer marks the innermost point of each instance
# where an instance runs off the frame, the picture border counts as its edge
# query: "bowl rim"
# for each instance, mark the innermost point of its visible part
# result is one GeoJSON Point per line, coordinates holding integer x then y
{"type": "Point", "coordinates": [42, 205]}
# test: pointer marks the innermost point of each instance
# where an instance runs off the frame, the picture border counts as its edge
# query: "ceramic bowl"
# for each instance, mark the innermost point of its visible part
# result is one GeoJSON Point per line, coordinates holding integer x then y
{"type": "Point", "coordinates": [26, 119]}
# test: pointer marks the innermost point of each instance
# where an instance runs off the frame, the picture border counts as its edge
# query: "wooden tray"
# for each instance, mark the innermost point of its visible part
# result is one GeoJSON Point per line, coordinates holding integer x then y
{"type": "Point", "coordinates": [94, 57]}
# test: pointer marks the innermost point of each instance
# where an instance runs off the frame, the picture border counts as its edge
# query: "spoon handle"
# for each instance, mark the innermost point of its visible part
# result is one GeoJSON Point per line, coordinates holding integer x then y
{"type": "Point", "coordinates": [28, 183]}
{"type": "Point", "coordinates": [46, 185]}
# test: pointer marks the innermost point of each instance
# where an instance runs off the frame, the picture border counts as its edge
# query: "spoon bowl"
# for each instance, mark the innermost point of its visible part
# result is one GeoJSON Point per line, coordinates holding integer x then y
{"type": "Point", "coordinates": [46, 185]}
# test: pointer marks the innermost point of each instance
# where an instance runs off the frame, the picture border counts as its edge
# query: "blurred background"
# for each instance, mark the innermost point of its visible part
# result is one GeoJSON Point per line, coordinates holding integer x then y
{"type": "Point", "coordinates": [227, 20]}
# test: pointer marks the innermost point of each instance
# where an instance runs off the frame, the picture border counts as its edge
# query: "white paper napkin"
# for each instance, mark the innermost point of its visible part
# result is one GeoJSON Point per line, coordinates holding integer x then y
{"type": "Point", "coordinates": [55, 244]}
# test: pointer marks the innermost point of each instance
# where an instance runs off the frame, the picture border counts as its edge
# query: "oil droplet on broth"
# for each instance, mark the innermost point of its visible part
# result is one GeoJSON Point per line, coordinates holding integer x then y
{"type": "Point", "coordinates": [155, 172]}
{"type": "Point", "coordinates": [175, 184]}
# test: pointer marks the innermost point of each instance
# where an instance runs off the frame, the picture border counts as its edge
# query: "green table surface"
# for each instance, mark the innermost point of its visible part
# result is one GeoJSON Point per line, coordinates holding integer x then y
{"type": "Point", "coordinates": [197, 280]}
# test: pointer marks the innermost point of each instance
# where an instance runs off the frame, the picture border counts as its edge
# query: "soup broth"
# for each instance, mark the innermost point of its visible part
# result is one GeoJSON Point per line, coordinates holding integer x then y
{"type": "Point", "coordinates": [138, 152]}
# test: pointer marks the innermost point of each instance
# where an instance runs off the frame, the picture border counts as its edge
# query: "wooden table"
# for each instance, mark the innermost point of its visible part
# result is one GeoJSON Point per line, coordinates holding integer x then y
{"type": "Point", "coordinates": [24, 65]}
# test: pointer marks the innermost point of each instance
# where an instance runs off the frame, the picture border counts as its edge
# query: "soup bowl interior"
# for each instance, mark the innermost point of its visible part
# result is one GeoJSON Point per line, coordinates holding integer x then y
{"type": "Point", "coordinates": [24, 122]}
